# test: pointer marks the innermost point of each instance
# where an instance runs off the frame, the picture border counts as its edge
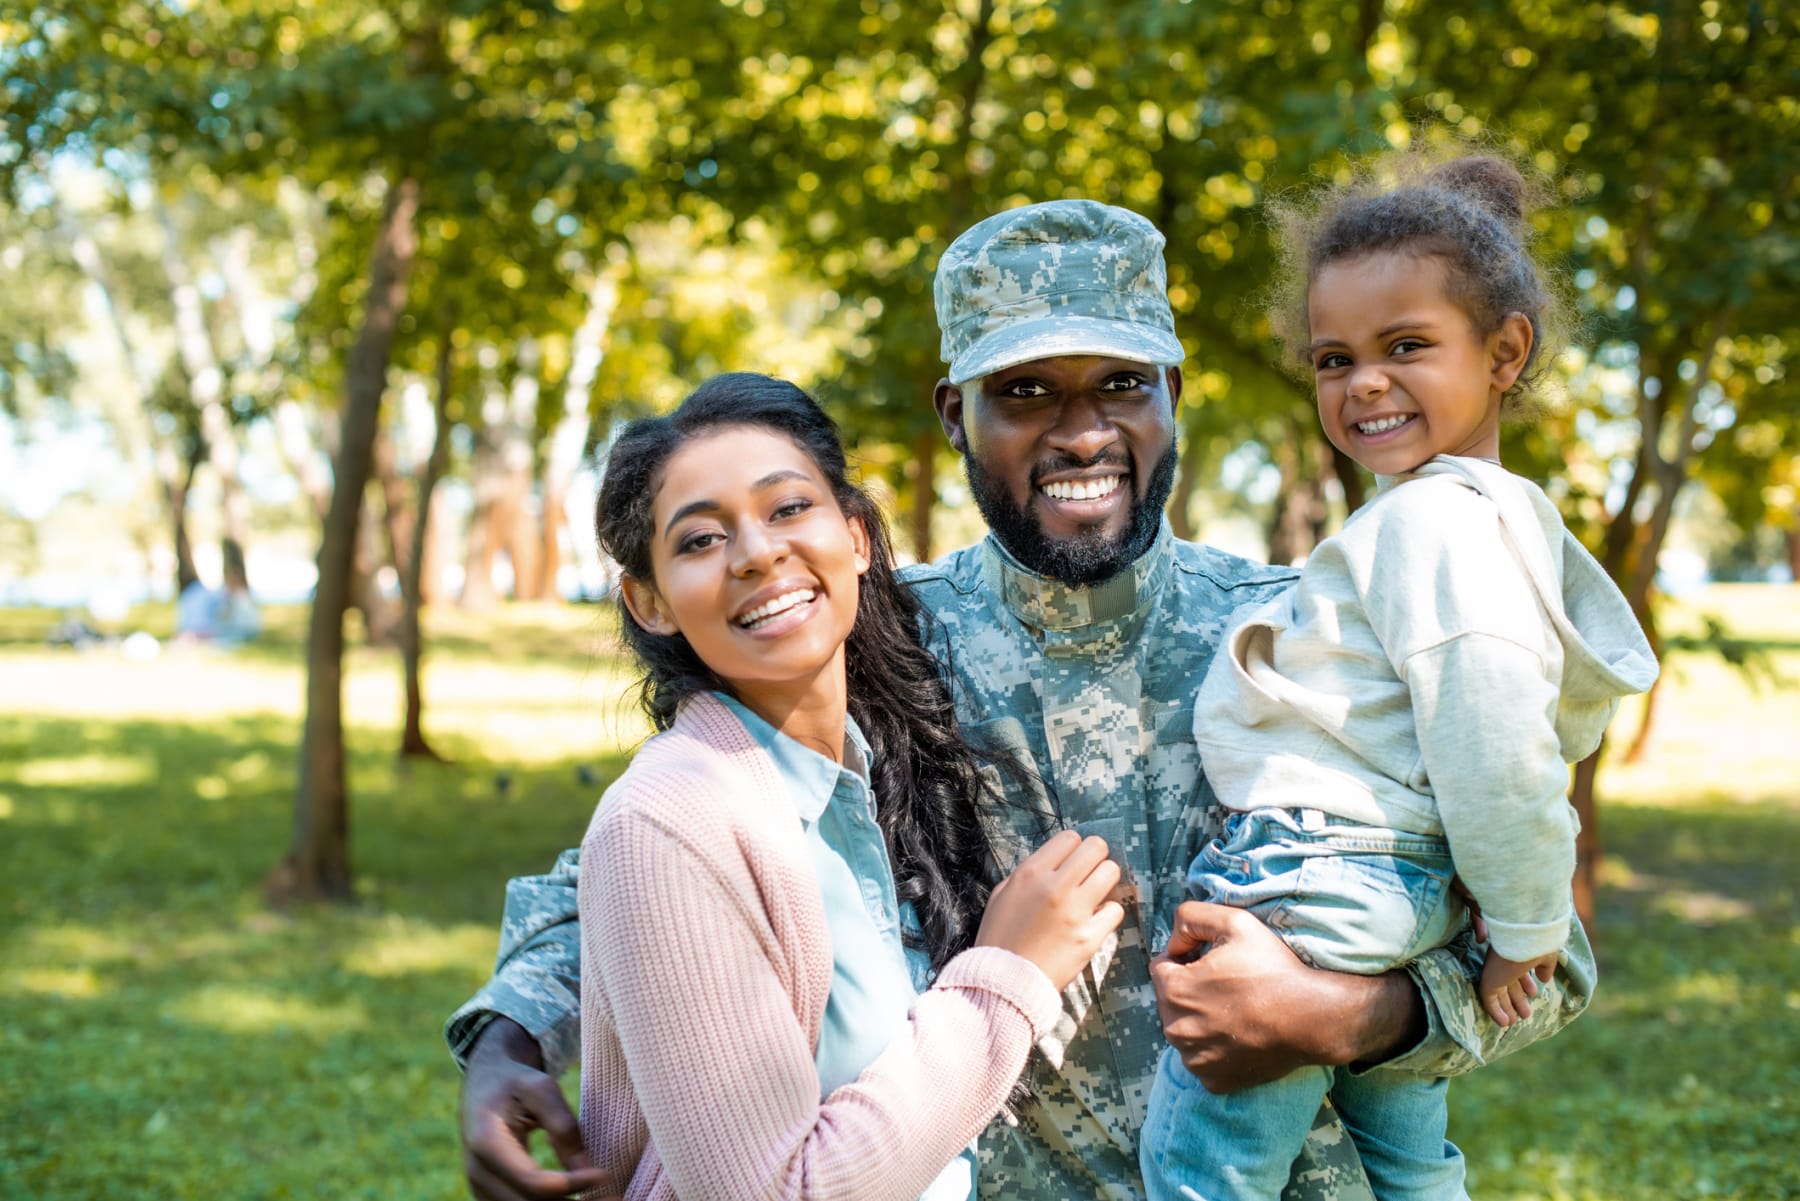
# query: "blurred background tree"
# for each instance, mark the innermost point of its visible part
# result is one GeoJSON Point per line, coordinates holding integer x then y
{"type": "Point", "coordinates": [281, 258]}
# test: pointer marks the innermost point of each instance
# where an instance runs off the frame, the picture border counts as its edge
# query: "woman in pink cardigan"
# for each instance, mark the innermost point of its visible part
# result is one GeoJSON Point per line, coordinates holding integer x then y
{"type": "Point", "coordinates": [748, 1025]}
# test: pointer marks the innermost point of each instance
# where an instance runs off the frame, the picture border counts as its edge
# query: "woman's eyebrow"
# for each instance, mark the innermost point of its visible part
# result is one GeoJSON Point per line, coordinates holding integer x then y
{"type": "Point", "coordinates": [709, 505]}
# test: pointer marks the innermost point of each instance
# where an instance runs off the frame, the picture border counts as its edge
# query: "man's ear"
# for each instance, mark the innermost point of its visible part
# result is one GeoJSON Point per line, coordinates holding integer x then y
{"type": "Point", "coordinates": [948, 400]}
{"type": "Point", "coordinates": [645, 606]}
{"type": "Point", "coordinates": [1174, 371]}
{"type": "Point", "coordinates": [1509, 348]}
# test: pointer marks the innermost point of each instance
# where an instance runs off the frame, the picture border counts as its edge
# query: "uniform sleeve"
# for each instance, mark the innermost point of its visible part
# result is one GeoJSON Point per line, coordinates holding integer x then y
{"type": "Point", "coordinates": [537, 972]}
{"type": "Point", "coordinates": [1459, 1034]}
{"type": "Point", "coordinates": [721, 1070]}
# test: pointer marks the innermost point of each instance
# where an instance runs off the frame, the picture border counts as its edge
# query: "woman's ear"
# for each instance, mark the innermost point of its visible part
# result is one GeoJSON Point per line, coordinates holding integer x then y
{"type": "Point", "coordinates": [1509, 350]}
{"type": "Point", "coordinates": [645, 606]}
{"type": "Point", "coordinates": [859, 543]}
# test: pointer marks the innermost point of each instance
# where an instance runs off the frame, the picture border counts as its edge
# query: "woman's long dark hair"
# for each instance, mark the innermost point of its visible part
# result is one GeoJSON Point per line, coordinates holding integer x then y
{"type": "Point", "coordinates": [925, 775]}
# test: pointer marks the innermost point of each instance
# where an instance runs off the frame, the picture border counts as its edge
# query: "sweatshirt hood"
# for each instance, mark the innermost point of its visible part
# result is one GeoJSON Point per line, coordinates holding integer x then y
{"type": "Point", "coordinates": [1605, 654]}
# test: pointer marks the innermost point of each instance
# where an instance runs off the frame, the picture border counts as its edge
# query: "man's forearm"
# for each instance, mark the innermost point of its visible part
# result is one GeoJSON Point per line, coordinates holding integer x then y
{"type": "Point", "coordinates": [1383, 1016]}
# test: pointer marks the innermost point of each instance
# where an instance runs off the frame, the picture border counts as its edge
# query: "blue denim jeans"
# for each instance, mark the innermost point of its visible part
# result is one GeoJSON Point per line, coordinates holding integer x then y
{"type": "Point", "coordinates": [1346, 898]}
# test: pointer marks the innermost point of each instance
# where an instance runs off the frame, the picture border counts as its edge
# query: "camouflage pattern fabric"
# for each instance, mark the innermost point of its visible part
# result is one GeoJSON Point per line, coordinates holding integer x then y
{"type": "Point", "coordinates": [1060, 278]}
{"type": "Point", "coordinates": [1092, 690]}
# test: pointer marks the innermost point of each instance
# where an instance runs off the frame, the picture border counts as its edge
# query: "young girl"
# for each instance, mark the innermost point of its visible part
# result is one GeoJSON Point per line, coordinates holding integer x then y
{"type": "Point", "coordinates": [1404, 715]}
{"type": "Point", "coordinates": [749, 1022]}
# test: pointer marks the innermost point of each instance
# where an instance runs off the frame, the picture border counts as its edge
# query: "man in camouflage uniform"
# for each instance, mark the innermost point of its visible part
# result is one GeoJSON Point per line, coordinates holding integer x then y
{"type": "Point", "coordinates": [1074, 638]}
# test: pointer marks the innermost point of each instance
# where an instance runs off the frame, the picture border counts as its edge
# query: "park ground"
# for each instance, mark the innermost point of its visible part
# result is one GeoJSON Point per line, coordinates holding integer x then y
{"type": "Point", "coordinates": [169, 1036]}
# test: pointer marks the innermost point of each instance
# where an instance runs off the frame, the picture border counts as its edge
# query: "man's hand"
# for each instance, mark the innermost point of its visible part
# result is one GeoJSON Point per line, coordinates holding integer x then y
{"type": "Point", "coordinates": [1248, 1011]}
{"type": "Point", "coordinates": [505, 1096]}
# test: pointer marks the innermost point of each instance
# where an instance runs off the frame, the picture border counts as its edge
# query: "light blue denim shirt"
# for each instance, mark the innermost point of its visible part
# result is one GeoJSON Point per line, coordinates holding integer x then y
{"type": "Point", "coordinates": [873, 976]}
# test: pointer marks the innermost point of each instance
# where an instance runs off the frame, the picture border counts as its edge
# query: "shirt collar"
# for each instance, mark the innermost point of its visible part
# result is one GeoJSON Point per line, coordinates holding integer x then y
{"type": "Point", "coordinates": [1047, 604]}
{"type": "Point", "coordinates": [811, 776]}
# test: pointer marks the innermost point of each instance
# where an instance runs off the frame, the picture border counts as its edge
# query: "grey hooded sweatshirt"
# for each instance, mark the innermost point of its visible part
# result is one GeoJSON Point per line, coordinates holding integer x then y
{"type": "Point", "coordinates": [1437, 665]}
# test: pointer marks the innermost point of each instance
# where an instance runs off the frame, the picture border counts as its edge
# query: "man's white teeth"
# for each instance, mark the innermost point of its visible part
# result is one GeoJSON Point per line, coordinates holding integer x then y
{"type": "Point", "coordinates": [1082, 489]}
{"type": "Point", "coordinates": [780, 604]}
{"type": "Point", "coordinates": [1383, 425]}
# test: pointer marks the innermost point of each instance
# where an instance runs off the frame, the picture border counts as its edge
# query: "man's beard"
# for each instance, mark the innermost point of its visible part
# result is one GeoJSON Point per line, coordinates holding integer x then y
{"type": "Point", "coordinates": [1090, 556]}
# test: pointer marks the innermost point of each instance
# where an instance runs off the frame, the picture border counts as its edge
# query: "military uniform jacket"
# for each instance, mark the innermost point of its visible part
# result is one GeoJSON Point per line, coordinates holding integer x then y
{"type": "Point", "coordinates": [1091, 692]}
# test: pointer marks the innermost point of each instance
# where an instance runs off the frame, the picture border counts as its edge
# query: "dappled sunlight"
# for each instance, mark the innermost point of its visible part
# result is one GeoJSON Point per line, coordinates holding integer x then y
{"type": "Point", "coordinates": [86, 771]}
{"type": "Point", "coordinates": [403, 948]}
{"type": "Point", "coordinates": [70, 984]}
{"type": "Point", "coordinates": [1710, 989]}
{"type": "Point", "coordinates": [249, 1009]}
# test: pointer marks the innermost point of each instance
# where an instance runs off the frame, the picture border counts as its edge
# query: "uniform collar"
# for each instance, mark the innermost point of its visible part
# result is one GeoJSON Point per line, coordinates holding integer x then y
{"type": "Point", "coordinates": [1046, 604]}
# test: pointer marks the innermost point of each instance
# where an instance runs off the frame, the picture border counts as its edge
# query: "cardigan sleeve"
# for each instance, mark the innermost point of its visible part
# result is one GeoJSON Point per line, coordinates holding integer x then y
{"type": "Point", "coordinates": [697, 1002]}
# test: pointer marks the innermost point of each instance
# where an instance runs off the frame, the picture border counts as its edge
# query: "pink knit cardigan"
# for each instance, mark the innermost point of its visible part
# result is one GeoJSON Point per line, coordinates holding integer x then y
{"type": "Point", "coordinates": [705, 966]}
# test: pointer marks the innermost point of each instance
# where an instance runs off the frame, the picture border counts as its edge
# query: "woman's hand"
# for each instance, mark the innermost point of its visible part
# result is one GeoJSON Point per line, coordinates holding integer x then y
{"type": "Point", "coordinates": [1054, 908]}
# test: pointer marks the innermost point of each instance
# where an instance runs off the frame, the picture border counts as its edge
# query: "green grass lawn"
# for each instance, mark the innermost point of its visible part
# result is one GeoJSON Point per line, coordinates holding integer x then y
{"type": "Point", "coordinates": [167, 1036]}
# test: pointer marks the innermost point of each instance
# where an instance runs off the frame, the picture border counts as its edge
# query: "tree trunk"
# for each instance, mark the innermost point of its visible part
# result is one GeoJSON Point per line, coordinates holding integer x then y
{"type": "Point", "coordinates": [176, 484]}
{"type": "Point", "coordinates": [562, 458]}
{"type": "Point", "coordinates": [318, 864]}
{"type": "Point", "coordinates": [1350, 478]}
{"type": "Point", "coordinates": [1181, 501]}
{"type": "Point", "coordinates": [193, 342]}
{"type": "Point", "coordinates": [924, 491]}
{"type": "Point", "coordinates": [412, 638]}
{"type": "Point", "coordinates": [1793, 548]}
{"type": "Point", "coordinates": [1587, 843]}
{"type": "Point", "coordinates": [523, 534]}
{"type": "Point", "coordinates": [491, 516]}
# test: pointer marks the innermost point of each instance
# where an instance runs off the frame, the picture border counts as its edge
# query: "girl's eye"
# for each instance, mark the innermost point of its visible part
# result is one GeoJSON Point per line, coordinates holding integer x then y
{"type": "Point", "coordinates": [1329, 362]}
{"type": "Point", "coordinates": [1407, 345]}
{"type": "Point", "coordinates": [696, 542]}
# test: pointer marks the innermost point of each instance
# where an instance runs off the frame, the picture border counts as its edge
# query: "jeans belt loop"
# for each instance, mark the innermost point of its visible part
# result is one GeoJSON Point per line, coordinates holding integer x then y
{"type": "Point", "coordinates": [1312, 820]}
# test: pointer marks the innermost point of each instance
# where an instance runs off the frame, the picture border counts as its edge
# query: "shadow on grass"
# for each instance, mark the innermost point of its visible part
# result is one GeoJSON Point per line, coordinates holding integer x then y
{"type": "Point", "coordinates": [168, 1036]}
{"type": "Point", "coordinates": [1682, 1080]}
{"type": "Point", "coordinates": [555, 634]}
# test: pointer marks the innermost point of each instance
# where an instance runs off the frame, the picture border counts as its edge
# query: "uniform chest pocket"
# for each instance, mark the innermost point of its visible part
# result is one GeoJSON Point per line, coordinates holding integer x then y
{"type": "Point", "coordinates": [1017, 814]}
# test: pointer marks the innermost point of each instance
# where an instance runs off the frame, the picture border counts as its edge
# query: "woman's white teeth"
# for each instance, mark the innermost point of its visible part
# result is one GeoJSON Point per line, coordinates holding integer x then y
{"type": "Point", "coordinates": [1082, 489]}
{"type": "Point", "coordinates": [1383, 425]}
{"type": "Point", "coordinates": [780, 604]}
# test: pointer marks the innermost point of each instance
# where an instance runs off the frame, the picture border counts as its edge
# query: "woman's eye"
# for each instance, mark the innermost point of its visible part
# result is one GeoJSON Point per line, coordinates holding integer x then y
{"type": "Point", "coordinates": [696, 542]}
{"type": "Point", "coordinates": [792, 508]}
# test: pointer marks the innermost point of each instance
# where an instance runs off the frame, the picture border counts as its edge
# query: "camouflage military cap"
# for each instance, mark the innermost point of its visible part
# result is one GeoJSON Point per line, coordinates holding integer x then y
{"type": "Point", "coordinates": [1064, 277]}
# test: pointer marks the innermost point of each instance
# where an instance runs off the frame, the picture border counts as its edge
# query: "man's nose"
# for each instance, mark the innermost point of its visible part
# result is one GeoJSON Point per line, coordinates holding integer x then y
{"type": "Point", "coordinates": [1083, 428]}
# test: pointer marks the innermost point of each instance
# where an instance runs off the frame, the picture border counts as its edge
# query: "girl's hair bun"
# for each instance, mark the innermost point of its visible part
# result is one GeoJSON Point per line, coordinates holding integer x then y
{"type": "Point", "coordinates": [1491, 182]}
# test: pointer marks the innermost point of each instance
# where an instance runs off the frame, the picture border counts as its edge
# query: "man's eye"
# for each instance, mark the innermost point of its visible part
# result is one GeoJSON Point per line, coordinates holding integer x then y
{"type": "Point", "coordinates": [1124, 383]}
{"type": "Point", "coordinates": [1024, 389]}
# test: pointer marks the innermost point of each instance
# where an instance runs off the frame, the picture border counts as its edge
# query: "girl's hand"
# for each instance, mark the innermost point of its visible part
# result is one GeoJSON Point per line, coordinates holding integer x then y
{"type": "Point", "coordinates": [1507, 985]}
{"type": "Point", "coordinates": [1054, 908]}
